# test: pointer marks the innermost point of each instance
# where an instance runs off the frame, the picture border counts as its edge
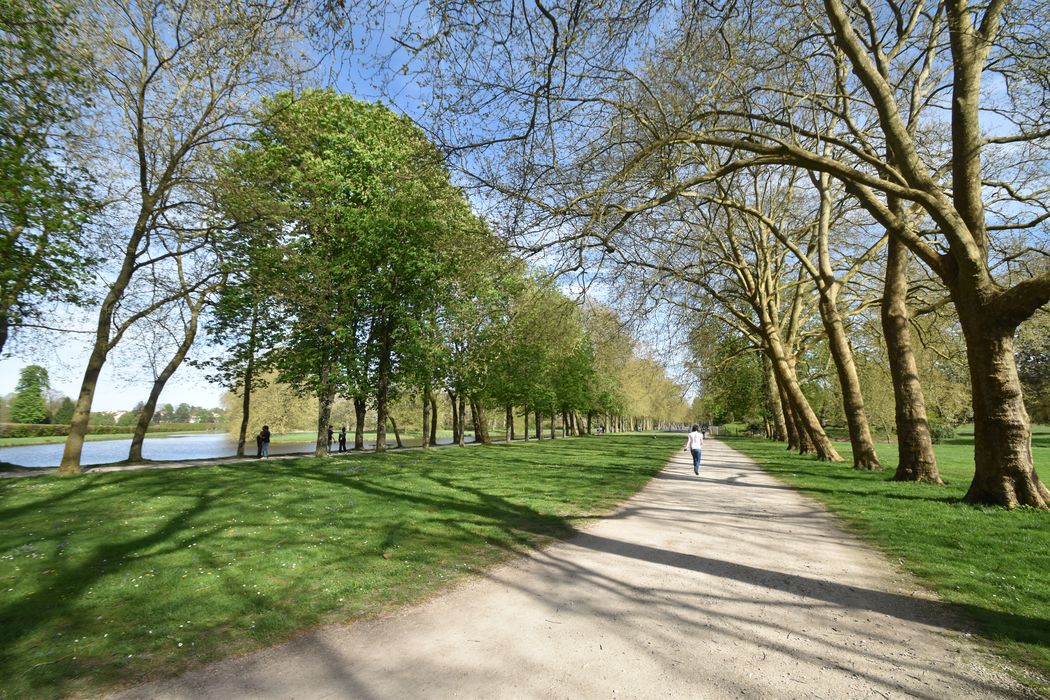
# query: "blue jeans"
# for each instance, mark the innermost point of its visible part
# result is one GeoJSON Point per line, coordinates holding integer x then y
{"type": "Point", "coordinates": [266, 449]}
{"type": "Point", "coordinates": [696, 461]}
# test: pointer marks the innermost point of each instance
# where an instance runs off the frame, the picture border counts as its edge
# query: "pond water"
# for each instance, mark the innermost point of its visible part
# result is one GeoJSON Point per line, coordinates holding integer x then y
{"type": "Point", "coordinates": [169, 448]}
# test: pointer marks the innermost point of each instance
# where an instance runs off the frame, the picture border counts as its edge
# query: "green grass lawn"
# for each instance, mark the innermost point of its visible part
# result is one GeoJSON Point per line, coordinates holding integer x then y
{"type": "Point", "coordinates": [993, 563]}
{"type": "Point", "coordinates": [110, 578]}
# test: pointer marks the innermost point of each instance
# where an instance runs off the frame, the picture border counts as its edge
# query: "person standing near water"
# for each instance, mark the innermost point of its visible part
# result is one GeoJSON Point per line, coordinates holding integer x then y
{"type": "Point", "coordinates": [695, 445]}
{"type": "Point", "coordinates": [264, 442]}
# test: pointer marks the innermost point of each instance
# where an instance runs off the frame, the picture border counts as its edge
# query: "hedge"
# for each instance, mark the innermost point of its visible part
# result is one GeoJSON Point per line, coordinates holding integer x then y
{"type": "Point", "coordinates": [13, 430]}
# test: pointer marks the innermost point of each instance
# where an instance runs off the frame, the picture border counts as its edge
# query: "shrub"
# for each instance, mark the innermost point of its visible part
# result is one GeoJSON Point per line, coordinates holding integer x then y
{"type": "Point", "coordinates": [941, 430]}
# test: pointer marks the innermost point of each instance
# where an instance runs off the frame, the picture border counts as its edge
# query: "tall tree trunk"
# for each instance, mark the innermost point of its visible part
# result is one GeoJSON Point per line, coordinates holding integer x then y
{"type": "Point", "coordinates": [325, 398]}
{"type": "Point", "coordinates": [508, 427]}
{"type": "Point", "coordinates": [433, 419]}
{"type": "Point", "coordinates": [481, 430]}
{"type": "Point", "coordinates": [423, 441]}
{"type": "Point", "coordinates": [554, 419]}
{"type": "Point", "coordinates": [525, 415]}
{"type": "Point", "coordinates": [774, 400]}
{"type": "Point", "coordinates": [475, 420]}
{"type": "Point", "coordinates": [360, 410]}
{"type": "Point", "coordinates": [1004, 471]}
{"type": "Point", "coordinates": [790, 424]}
{"type": "Point", "coordinates": [808, 423]}
{"type": "Point", "coordinates": [386, 339]}
{"type": "Point", "coordinates": [457, 427]}
{"type": "Point", "coordinates": [246, 404]}
{"type": "Point", "coordinates": [135, 453]}
{"type": "Point", "coordinates": [462, 420]}
{"type": "Point", "coordinates": [539, 425]}
{"type": "Point", "coordinates": [397, 433]}
{"type": "Point", "coordinates": [249, 377]}
{"type": "Point", "coordinates": [864, 456]}
{"type": "Point", "coordinates": [103, 343]}
{"type": "Point", "coordinates": [917, 461]}
{"type": "Point", "coordinates": [590, 417]}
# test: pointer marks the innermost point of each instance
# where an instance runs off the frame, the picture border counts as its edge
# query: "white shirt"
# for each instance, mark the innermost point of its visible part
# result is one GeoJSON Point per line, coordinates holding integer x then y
{"type": "Point", "coordinates": [696, 440]}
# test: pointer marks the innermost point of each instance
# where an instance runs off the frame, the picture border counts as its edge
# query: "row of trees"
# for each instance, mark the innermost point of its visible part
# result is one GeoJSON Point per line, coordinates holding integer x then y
{"type": "Point", "coordinates": [164, 179]}
{"type": "Point", "coordinates": [364, 275]}
{"type": "Point", "coordinates": [778, 176]}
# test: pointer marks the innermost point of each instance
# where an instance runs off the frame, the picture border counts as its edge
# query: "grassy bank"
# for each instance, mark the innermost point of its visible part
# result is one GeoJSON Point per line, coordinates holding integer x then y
{"type": "Point", "coordinates": [993, 563]}
{"type": "Point", "coordinates": [110, 578]}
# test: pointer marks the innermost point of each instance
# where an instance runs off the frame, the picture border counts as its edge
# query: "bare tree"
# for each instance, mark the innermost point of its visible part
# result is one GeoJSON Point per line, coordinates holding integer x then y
{"type": "Point", "coordinates": [577, 102]}
{"type": "Point", "coordinates": [179, 79]}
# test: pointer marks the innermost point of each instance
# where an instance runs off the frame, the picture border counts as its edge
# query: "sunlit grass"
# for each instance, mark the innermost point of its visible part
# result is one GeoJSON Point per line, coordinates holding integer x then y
{"type": "Point", "coordinates": [993, 563]}
{"type": "Point", "coordinates": [110, 578]}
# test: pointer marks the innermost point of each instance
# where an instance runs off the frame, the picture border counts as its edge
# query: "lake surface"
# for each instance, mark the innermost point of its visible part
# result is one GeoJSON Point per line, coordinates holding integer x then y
{"type": "Point", "coordinates": [162, 449]}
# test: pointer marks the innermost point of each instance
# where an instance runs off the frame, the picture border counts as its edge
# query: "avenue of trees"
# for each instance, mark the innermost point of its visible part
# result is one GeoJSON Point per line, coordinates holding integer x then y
{"type": "Point", "coordinates": [785, 171]}
{"type": "Point", "coordinates": [843, 203]}
{"type": "Point", "coordinates": [170, 171]}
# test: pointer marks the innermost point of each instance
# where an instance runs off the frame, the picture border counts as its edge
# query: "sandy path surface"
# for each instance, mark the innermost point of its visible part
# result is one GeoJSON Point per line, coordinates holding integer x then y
{"type": "Point", "coordinates": [725, 586]}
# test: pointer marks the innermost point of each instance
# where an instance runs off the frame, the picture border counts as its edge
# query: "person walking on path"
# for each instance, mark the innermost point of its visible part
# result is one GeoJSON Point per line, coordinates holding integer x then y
{"type": "Point", "coordinates": [342, 439]}
{"type": "Point", "coordinates": [695, 445]}
{"type": "Point", "coordinates": [264, 441]}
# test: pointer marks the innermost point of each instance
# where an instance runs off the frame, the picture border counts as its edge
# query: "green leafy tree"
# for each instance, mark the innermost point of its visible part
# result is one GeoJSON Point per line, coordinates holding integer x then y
{"type": "Point", "coordinates": [357, 207]}
{"type": "Point", "coordinates": [44, 201]}
{"type": "Point", "coordinates": [29, 404]}
{"type": "Point", "coordinates": [182, 413]}
{"type": "Point", "coordinates": [64, 412]}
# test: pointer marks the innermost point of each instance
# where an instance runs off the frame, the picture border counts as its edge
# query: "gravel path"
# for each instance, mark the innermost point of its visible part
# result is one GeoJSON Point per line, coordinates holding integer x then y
{"type": "Point", "coordinates": [729, 585]}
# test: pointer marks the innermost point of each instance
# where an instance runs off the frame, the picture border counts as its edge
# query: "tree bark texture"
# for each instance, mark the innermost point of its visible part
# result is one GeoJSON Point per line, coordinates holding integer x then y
{"type": "Point", "coordinates": [508, 426]}
{"type": "Point", "coordinates": [425, 433]}
{"type": "Point", "coordinates": [916, 459]}
{"type": "Point", "coordinates": [462, 420]}
{"type": "Point", "coordinates": [457, 427]}
{"type": "Point", "coordinates": [864, 457]}
{"type": "Point", "coordinates": [249, 376]}
{"type": "Point", "coordinates": [397, 433]}
{"type": "Point", "coordinates": [481, 430]}
{"type": "Point", "coordinates": [1004, 472]}
{"type": "Point", "coordinates": [383, 381]}
{"type": "Point", "coordinates": [433, 419]}
{"type": "Point", "coordinates": [360, 407]}
{"type": "Point", "coordinates": [774, 399]}
{"type": "Point", "coordinates": [325, 398]}
{"type": "Point", "coordinates": [810, 431]}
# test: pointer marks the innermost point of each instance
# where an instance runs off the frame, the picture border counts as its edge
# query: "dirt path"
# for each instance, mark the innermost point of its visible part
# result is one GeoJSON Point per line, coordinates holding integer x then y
{"type": "Point", "coordinates": [726, 586]}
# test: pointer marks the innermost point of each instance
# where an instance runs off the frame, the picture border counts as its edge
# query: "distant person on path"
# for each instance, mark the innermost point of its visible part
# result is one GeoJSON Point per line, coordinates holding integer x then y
{"type": "Point", "coordinates": [264, 441]}
{"type": "Point", "coordinates": [330, 434]}
{"type": "Point", "coordinates": [695, 445]}
{"type": "Point", "coordinates": [342, 439]}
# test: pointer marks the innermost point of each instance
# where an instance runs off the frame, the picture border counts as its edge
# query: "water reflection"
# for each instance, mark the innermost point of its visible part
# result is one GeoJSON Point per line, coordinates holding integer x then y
{"type": "Point", "coordinates": [174, 447]}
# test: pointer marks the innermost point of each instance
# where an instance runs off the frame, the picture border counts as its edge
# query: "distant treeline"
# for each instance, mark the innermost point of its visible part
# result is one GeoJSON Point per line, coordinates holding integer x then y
{"type": "Point", "coordinates": [15, 430]}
